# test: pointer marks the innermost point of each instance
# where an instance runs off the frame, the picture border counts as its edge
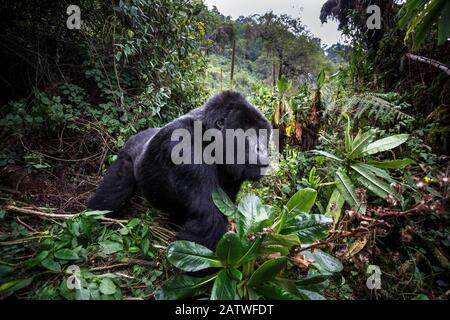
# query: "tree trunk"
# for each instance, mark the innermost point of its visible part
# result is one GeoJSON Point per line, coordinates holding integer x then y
{"type": "Point", "coordinates": [233, 57]}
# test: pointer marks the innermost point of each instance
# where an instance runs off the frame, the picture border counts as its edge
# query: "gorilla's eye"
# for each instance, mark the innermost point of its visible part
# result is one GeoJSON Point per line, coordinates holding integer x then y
{"type": "Point", "coordinates": [220, 123]}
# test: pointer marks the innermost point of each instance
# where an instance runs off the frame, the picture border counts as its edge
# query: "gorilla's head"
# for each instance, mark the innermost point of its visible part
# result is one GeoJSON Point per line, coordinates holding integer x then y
{"type": "Point", "coordinates": [245, 131]}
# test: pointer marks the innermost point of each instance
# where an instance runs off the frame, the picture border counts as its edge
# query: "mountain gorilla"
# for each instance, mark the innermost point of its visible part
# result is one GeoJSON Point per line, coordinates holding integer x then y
{"type": "Point", "coordinates": [184, 190]}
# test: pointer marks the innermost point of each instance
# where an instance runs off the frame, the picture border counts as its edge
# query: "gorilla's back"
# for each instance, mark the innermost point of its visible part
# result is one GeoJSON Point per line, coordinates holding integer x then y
{"type": "Point", "coordinates": [137, 143]}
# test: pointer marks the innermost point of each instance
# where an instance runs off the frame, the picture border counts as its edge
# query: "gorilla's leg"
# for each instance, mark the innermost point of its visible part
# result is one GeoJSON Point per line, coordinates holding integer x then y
{"type": "Point", "coordinates": [205, 228]}
{"type": "Point", "coordinates": [116, 187]}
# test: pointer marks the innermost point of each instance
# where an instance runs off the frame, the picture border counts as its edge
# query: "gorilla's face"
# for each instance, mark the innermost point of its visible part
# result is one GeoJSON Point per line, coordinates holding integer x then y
{"type": "Point", "coordinates": [246, 135]}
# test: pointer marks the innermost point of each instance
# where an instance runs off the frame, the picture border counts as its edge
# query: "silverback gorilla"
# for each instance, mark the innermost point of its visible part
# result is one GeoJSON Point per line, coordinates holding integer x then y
{"type": "Point", "coordinates": [184, 190]}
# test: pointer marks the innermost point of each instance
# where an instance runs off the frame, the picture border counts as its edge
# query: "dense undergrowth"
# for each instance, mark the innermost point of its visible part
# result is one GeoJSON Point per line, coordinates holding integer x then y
{"type": "Point", "coordinates": [362, 181]}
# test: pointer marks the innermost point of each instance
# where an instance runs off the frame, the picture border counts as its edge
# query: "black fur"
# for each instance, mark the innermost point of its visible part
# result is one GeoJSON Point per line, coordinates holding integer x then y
{"type": "Point", "coordinates": [184, 191]}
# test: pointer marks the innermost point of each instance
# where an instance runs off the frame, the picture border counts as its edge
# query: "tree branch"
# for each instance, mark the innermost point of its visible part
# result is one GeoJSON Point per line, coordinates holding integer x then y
{"type": "Point", "coordinates": [429, 61]}
{"type": "Point", "coordinates": [55, 215]}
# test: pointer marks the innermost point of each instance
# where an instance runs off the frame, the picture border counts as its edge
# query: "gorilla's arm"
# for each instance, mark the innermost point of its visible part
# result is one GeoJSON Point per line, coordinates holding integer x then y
{"type": "Point", "coordinates": [204, 224]}
{"type": "Point", "coordinates": [116, 187]}
{"type": "Point", "coordinates": [119, 183]}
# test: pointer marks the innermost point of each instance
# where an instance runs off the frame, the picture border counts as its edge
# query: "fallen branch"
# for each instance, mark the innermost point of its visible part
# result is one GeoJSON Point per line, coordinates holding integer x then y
{"type": "Point", "coordinates": [124, 262]}
{"type": "Point", "coordinates": [429, 61]}
{"type": "Point", "coordinates": [46, 215]}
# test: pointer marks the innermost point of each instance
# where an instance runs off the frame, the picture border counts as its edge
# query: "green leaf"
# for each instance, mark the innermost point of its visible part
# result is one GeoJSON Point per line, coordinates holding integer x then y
{"type": "Point", "coordinates": [312, 280]}
{"type": "Point", "coordinates": [377, 171]}
{"type": "Point", "coordinates": [183, 287]}
{"type": "Point", "coordinates": [5, 271]}
{"type": "Point", "coordinates": [110, 247]}
{"type": "Point", "coordinates": [229, 249]}
{"type": "Point", "coordinates": [285, 240]}
{"type": "Point", "coordinates": [327, 154]}
{"type": "Point", "coordinates": [107, 286]}
{"type": "Point", "coordinates": [225, 287]}
{"type": "Point", "coordinates": [267, 271]}
{"type": "Point", "coordinates": [190, 256]}
{"type": "Point", "coordinates": [283, 85]}
{"type": "Point", "coordinates": [444, 24]}
{"type": "Point", "coordinates": [348, 137]}
{"type": "Point", "coordinates": [367, 179]}
{"type": "Point", "coordinates": [320, 78]}
{"type": "Point", "coordinates": [83, 294]}
{"type": "Point", "coordinates": [346, 188]}
{"type": "Point", "coordinates": [42, 255]}
{"type": "Point", "coordinates": [272, 248]}
{"type": "Point", "coordinates": [360, 143]}
{"type": "Point", "coordinates": [323, 261]}
{"type": "Point", "coordinates": [391, 164]}
{"type": "Point", "coordinates": [311, 295]}
{"type": "Point", "coordinates": [429, 16]}
{"type": "Point", "coordinates": [252, 216]}
{"type": "Point", "coordinates": [302, 201]}
{"type": "Point", "coordinates": [335, 205]}
{"type": "Point", "coordinates": [252, 251]}
{"type": "Point", "coordinates": [275, 292]}
{"type": "Point", "coordinates": [66, 254]}
{"type": "Point", "coordinates": [309, 227]}
{"type": "Point", "coordinates": [224, 203]}
{"type": "Point", "coordinates": [385, 144]}
{"type": "Point", "coordinates": [15, 285]}
{"type": "Point", "coordinates": [51, 264]}
{"type": "Point", "coordinates": [96, 214]}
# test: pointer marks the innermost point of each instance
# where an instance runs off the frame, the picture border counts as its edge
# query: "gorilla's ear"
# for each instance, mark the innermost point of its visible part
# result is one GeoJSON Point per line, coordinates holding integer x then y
{"type": "Point", "coordinates": [220, 123]}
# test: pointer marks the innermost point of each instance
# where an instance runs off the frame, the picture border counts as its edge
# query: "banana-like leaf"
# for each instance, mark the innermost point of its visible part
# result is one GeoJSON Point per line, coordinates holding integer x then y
{"type": "Point", "coordinates": [320, 78]}
{"type": "Point", "coordinates": [377, 186]}
{"type": "Point", "coordinates": [430, 15]}
{"type": "Point", "coordinates": [385, 144]}
{"type": "Point", "coordinates": [327, 154]}
{"type": "Point", "coordinates": [377, 171]}
{"type": "Point", "coordinates": [392, 164]}
{"type": "Point", "coordinates": [346, 188]}
{"type": "Point", "coordinates": [360, 143]}
{"type": "Point", "coordinates": [348, 137]}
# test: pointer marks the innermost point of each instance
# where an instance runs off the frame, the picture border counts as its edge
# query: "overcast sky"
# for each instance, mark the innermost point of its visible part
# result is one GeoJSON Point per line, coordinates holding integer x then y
{"type": "Point", "coordinates": [307, 10]}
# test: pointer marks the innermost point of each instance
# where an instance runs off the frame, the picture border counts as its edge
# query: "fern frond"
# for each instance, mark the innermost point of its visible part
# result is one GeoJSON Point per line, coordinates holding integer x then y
{"type": "Point", "coordinates": [376, 107]}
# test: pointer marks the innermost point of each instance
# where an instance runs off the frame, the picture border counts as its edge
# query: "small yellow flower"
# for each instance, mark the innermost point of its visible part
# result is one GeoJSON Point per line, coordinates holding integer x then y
{"type": "Point", "coordinates": [428, 180]}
